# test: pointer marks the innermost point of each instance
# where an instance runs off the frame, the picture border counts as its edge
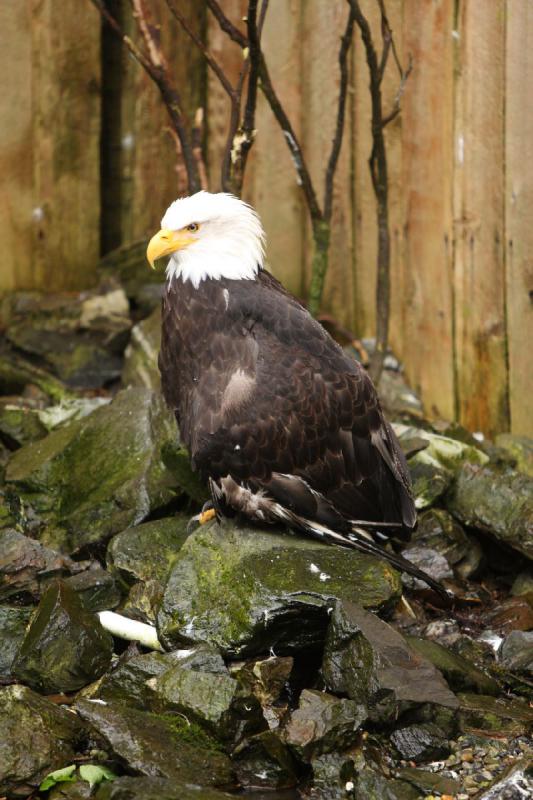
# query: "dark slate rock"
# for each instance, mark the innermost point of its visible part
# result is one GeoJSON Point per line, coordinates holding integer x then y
{"type": "Point", "coordinates": [96, 476]}
{"type": "Point", "coordinates": [36, 737]}
{"type": "Point", "coordinates": [323, 724]}
{"type": "Point", "coordinates": [17, 372]}
{"type": "Point", "coordinates": [129, 681]}
{"type": "Point", "coordinates": [496, 501]}
{"type": "Point", "coordinates": [247, 590]}
{"type": "Point", "coordinates": [263, 761]}
{"type": "Point", "coordinates": [516, 652]}
{"type": "Point", "coordinates": [157, 789]}
{"type": "Point", "coordinates": [429, 782]}
{"type": "Point", "coordinates": [147, 551]}
{"type": "Point", "coordinates": [332, 772]}
{"type": "Point", "coordinates": [154, 746]}
{"type": "Point", "coordinates": [461, 674]}
{"type": "Point", "coordinates": [96, 588]}
{"type": "Point", "coordinates": [438, 530]}
{"type": "Point", "coordinates": [371, 663]}
{"type": "Point", "coordinates": [65, 647]}
{"type": "Point", "coordinates": [13, 622]}
{"type": "Point", "coordinates": [371, 785]}
{"type": "Point", "coordinates": [26, 566]}
{"type": "Point", "coordinates": [267, 677]}
{"type": "Point", "coordinates": [214, 700]}
{"type": "Point", "coordinates": [420, 743]}
{"type": "Point", "coordinates": [494, 716]}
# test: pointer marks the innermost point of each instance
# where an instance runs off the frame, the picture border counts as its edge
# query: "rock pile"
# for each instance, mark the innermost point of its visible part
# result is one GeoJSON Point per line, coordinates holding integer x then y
{"type": "Point", "coordinates": [286, 665]}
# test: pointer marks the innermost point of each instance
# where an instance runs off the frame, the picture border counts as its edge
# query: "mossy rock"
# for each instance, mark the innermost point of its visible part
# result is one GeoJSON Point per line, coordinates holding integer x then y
{"type": "Point", "coordinates": [247, 590]}
{"type": "Point", "coordinates": [140, 359]}
{"type": "Point", "coordinates": [157, 789]}
{"type": "Point", "coordinates": [496, 501]}
{"type": "Point", "coordinates": [65, 647]}
{"type": "Point", "coordinates": [461, 674]}
{"type": "Point", "coordinates": [500, 716]}
{"type": "Point", "coordinates": [96, 476]}
{"type": "Point", "coordinates": [36, 737]}
{"type": "Point", "coordinates": [13, 622]}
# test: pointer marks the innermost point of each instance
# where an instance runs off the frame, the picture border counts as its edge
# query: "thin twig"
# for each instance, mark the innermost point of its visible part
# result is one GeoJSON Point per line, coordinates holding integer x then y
{"type": "Point", "coordinates": [346, 42]}
{"type": "Point", "coordinates": [210, 59]}
{"type": "Point", "coordinates": [226, 25]}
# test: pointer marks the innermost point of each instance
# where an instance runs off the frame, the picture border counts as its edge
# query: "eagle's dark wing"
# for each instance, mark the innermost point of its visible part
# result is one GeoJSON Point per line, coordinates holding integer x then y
{"type": "Point", "coordinates": [282, 410]}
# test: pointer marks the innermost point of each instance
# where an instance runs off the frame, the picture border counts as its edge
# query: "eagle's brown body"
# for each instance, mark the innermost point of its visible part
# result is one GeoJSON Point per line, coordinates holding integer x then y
{"type": "Point", "coordinates": [274, 413]}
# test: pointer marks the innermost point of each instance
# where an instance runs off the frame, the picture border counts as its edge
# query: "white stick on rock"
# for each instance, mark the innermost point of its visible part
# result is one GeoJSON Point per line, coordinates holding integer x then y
{"type": "Point", "coordinates": [130, 629]}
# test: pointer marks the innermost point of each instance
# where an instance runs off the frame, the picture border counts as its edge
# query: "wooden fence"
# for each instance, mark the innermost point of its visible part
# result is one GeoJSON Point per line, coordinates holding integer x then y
{"type": "Point", "coordinates": [460, 164]}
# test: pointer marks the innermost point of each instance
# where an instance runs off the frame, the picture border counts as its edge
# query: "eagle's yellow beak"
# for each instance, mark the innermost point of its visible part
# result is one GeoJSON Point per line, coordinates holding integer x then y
{"type": "Point", "coordinates": [166, 242]}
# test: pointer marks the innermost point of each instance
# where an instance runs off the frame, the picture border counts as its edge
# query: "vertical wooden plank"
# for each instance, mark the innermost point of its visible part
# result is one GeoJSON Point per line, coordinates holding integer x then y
{"type": "Point", "coordinates": [427, 178]}
{"type": "Point", "coordinates": [322, 28]}
{"type": "Point", "coordinates": [479, 281]}
{"type": "Point", "coordinates": [49, 144]}
{"type": "Point", "coordinates": [16, 151]}
{"type": "Point", "coordinates": [66, 143]}
{"type": "Point", "coordinates": [271, 184]}
{"type": "Point", "coordinates": [519, 211]}
{"type": "Point", "coordinates": [364, 203]}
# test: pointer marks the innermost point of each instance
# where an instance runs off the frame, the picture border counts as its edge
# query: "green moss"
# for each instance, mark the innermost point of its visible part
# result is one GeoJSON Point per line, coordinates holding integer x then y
{"type": "Point", "coordinates": [190, 732]}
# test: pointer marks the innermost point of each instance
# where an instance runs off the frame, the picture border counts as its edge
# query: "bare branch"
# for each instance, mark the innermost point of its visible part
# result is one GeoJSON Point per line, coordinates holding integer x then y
{"type": "Point", "coordinates": [154, 63]}
{"type": "Point", "coordinates": [226, 25]}
{"type": "Point", "coordinates": [339, 128]}
{"type": "Point", "coordinates": [211, 61]}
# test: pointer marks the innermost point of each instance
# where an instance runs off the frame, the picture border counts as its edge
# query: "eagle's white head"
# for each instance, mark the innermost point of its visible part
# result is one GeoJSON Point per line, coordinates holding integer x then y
{"type": "Point", "coordinates": [209, 236]}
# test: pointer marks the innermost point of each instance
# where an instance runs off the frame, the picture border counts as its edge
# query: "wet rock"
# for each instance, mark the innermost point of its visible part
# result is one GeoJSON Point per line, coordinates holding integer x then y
{"type": "Point", "coordinates": [248, 591]}
{"type": "Point", "coordinates": [263, 761]}
{"type": "Point", "coordinates": [433, 468]}
{"type": "Point", "coordinates": [438, 531]}
{"type": "Point", "coordinates": [147, 551]}
{"type": "Point", "coordinates": [371, 663]}
{"type": "Point", "coordinates": [460, 673]}
{"type": "Point", "coordinates": [323, 724]}
{"type": "Point", "coordinates": [79, 337]}
{"type": "Point", "coordinates": [80, 790]}
{"type": "Point", "coordinates": [420, 743]}
{"type": "Point", "coordinates": [429, 782]}
{"type": "Point", "coordinates": [156, 746]}
{"type": "Point", "coordinates": [430, 561]}
{"type": "Point", "coordinates": [332, 772]}
{"type": "Point", "coordinates": [17, 374]}
{"type": "Point", "coordinates": [370, 785]}
{"type": "Point", "coordinates": [96, 476]}
{"type": "Point", "coordinates": [157, 789]}
{"type": "Point", "coordinates": [129, 681]}
{"type": "Point", "coordinates": [19, 424]}
{"type": "Point", "coordinates": [516, 652]}
{"type": "Point", "coordinates": [516, 783]}
{"type": "Point", "coordinates": [212, 699]}
{"type": "Point", "coordinates": [521, 450]}
{"type": "Point", "coordinates": [267, 677]}
{"type": "Point", "coordinates": [140, 361]}
{"type": "Point", "coordinates": [26, 566]}
{"type": "Point", "coordinates": [65, 647]}
{"type": "Point", "coordinates": [96, 588]}
{"type": "Point", "coordinates": [494, 716]}
{"type": "Point", "coordinates": [54, 734]}
{"type": "Point", "coordinates": [13, 622]}
{"type": "Point", "coordinates": [495, 501]}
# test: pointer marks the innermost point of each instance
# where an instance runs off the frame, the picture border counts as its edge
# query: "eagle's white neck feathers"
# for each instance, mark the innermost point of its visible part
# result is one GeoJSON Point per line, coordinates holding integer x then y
{"type": "Point", "coordinates": [229, 242]}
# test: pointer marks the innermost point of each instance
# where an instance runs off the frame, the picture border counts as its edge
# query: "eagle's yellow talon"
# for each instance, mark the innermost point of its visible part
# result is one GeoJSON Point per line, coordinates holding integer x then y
{"type": "Point", "coordinates": [206, 516]}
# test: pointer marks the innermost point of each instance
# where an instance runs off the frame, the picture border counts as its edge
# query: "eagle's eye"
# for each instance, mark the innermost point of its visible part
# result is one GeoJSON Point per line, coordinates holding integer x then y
{"type": "Point", "coordinates": [193, 227]}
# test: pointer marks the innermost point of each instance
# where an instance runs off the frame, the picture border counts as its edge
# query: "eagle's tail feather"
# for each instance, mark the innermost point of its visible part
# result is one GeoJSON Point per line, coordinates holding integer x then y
{"type": "Point", "coordinates": [360, 540]}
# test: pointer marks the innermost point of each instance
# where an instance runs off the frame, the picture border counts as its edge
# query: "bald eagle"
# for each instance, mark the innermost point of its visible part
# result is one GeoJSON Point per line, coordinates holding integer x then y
{"type": "Point", "coordinates": [283, 425]}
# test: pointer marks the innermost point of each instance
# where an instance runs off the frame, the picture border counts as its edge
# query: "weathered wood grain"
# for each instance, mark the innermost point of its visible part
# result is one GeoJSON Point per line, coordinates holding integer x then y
{"type": "Point", "coordinates": [427, 180]}
{"type": "Point", "coordinates": [479, 279]}
{"type": "Point", "coordinates": [49, 144]}
{"type": "Point", "coordinates": [519, 211]}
